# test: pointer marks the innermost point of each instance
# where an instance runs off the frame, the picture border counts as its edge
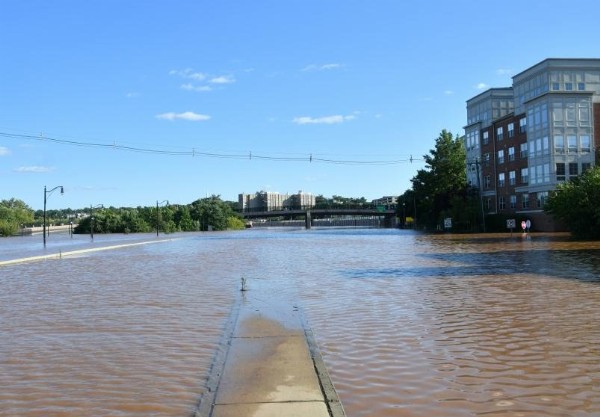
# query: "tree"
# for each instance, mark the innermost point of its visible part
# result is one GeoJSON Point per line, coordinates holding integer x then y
{"type": "Point", "coordinates": [235, 223]}
{"type": "Point", "coordinates": [184, 219]}
{"type": "Point", "coordinates": [13, 213]}
{"type": "Point", "coordinates": [212, 213]}
{"type": "Point", "coordinates": [440, 189]}
{"type": "Point", "coordinates": [577, 204]}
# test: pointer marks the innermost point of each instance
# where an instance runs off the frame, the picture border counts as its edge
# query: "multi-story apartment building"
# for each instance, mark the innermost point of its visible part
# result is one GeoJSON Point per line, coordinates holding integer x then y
{"type": "Point", "coordinates": [387, 202]}
{"type": "Point", "coordinates": [523, 140]}
{"type": "Point", "coordinates": [269, 201]}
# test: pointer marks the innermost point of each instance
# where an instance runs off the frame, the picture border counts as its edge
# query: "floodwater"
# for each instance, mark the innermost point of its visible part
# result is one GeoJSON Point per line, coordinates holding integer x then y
{"type": "Point", "coordinates": [408, 324]}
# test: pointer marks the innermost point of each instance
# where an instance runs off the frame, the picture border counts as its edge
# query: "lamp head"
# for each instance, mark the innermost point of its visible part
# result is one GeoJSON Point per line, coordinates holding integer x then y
{"type": "Point", "coordinates": [62, 189]}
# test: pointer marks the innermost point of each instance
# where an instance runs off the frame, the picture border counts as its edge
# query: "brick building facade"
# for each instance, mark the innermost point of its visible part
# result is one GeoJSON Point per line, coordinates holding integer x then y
{"type": "Point", "coordinates": [523, 140]}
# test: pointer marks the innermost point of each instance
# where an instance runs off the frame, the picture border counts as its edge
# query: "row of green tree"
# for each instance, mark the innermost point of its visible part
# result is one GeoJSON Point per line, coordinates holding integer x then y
{"type": "Point", "coordinates": [204, 214]}
{"type": "Point", "coordinates": [337, 201]}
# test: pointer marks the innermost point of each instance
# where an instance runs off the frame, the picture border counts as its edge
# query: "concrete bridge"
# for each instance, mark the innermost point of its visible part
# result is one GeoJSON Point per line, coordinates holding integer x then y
{"type": "Point", "coordinates": [309, 214]}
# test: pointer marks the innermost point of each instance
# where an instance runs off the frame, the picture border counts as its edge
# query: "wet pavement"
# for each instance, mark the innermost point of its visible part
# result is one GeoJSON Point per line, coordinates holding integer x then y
{"type": "Point", "coordinates": [273, 367]}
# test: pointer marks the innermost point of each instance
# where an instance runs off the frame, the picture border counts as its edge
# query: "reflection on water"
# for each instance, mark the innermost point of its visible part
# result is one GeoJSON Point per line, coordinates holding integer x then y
{"type": "Point", "coordinates": [409, 325]}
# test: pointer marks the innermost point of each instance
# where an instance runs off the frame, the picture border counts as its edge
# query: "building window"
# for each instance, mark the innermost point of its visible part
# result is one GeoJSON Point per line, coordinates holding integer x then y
{"type": "Point", "coordinates": [524, 150]}
{"type": "Point", "coordinates": [525, 200]}
{"type": "Point", "coordinates": [501, 180]}
{"type": "Point", "coordinates": [573, 169]}
{"type": "Point", "coordinates": [523, 125]}
{"type": "Point", "coordinates": [560, 171]}
{"type": "Point", "coordinates": [486, 137]}
{"type": "Point", "coordinates": [584, 115]}
{"type": "Point", "coordinates": [572, 141]}
{"type": "Point", "coordinates": [524, 175]}
{"type": "Point", "coordinates": [512, 177]}
{"type": "Point", "coordinates": [585, 143]}
{"type": "Point", "coordinates": [555, 86]}
{"type": "Point", "coordinates": [487, 182]}
{"type": "Point", "coordinates": [532, 147]}
{"type": "Point", "coordinates": [488, 204]}
{"type": "Point", "coordinates": [501, 156]}
{"type": "Point", "coordinates": [486, 159]}
{"type": "Point", "coordinates": [568, 86]}
{"type": "Point", "coordinates": [511, 153]}
{"type": "Point", "coordinates": [571, 115]}
{"type": "Point", "coordinates": [541, 198]}
{"type": "Point", "coordinates": [559, 144]}
{"type": "Point", "coordinates": [500, 133]}
{"type": "Point", "coordinates": [538, 147]}
{"type": "Point", "coordinates": [581, 86]}
{"type": "Point", "coordinates": [501, 203]}
{"type": "Point", "coordinates": [585, 166]}
{"type": "Point", "coordinates": [513, 201]}
{"type": "Point", "coordinates": [511, 130]}
{"type": "Point", "coordinates": [558, 117]}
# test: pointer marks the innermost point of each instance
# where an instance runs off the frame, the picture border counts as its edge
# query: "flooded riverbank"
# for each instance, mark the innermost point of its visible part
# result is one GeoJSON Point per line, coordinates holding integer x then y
{"type": "Point", "coordinates": [408, 324]}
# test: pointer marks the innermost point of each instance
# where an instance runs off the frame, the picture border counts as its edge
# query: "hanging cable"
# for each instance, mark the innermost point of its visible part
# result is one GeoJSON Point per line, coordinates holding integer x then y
{"type": "Point", "coordinates": [194, 152]}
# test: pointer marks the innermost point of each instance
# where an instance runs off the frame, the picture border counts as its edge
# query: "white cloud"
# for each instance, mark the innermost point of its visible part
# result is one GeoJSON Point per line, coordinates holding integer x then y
{"type": "Point", "coordinates": [4, 151]}
{"type": "Point", "coordinates": [199, 81]}
{"type": "Point", "coordinates": [192, 87]}
{"type": "Point", "coordinates": [504, 71]}
{"type": "Point", "coordinates": [448, 92]}
{"type": "Point", "coordinates": [481, 86]}
{"type": "Point", "coordinates": [223, 79]}
{"type": "Point", "coordinates": [34, 169]}
{"type": "Point", "coordinates": [323, 67]}
{"type": "Point", "coordinates": [188, 115]}
{"type": "Point", "coordinates": [189, 74]}
{"type": "Point", "coordinates": [327, 120]}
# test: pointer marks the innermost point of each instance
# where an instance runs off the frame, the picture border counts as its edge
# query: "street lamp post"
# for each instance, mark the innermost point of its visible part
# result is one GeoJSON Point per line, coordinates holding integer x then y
{"type": "Point", "coordinates": [157, 213]}
{"type": "Point", "coordinates": [46, 195]}
{"type": "Point", "coordinates": [92, 219]}
{"type": "Point", "coordinates": [476, 163]}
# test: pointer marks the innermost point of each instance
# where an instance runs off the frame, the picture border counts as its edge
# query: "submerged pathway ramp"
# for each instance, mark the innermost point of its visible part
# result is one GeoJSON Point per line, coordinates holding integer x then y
{"type": "Point", "coordinates": [270, 367]}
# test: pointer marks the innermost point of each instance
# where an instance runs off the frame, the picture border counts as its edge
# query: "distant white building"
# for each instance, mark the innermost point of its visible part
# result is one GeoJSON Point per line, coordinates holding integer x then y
{"type": "Point", "coordinates": [389, 202]}
{"type": "Point", "coordinates": [272, 201]}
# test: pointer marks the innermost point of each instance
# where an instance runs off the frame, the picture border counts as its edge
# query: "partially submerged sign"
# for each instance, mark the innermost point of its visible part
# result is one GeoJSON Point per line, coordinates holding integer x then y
{"type": "Point", "coordinates": [448, 223]}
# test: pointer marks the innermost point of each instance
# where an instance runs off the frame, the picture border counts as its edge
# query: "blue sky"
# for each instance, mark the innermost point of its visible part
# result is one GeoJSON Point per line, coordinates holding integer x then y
{"type": "Point", "coordinates": [282, 80]}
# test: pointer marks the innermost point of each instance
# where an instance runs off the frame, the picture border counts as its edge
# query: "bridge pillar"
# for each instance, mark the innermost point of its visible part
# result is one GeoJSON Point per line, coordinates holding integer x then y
{"type": "Point", "coordinates": [308, 220]}
{"type": "Point", "coordinates": [390, 221]}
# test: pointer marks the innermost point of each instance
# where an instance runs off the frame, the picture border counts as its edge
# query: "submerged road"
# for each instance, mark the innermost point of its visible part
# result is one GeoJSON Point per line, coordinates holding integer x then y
{"type": "Point", "coordinates": [270, 365]}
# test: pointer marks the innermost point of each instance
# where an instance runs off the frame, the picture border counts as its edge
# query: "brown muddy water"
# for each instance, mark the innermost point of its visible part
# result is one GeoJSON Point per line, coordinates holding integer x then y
{"type": "Point", "coordinates": [408, 324]}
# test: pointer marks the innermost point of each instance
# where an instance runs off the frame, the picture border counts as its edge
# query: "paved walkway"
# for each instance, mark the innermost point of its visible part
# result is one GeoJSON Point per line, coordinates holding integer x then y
{"type": "Point", "coordinates": [272, 368]}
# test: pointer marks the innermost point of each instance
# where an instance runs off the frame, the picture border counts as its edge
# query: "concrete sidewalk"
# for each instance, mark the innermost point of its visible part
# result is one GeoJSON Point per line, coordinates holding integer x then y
{"type": "Point", "coordinates": [272, 367]}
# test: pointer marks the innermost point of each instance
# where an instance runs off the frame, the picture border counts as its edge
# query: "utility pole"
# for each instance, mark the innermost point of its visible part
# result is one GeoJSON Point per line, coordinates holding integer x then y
{"type": "Point", "coordinates": [480, 192]}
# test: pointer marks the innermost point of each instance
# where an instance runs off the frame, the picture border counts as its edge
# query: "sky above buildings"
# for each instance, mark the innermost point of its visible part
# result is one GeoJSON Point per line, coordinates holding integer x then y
{"type": "Point", "coordinates": [126, 103]}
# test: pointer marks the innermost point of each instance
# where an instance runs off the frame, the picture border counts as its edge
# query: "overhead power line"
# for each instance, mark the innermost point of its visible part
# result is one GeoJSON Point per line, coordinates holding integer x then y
{"type": "Point", "coordinates": [193, 152]}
